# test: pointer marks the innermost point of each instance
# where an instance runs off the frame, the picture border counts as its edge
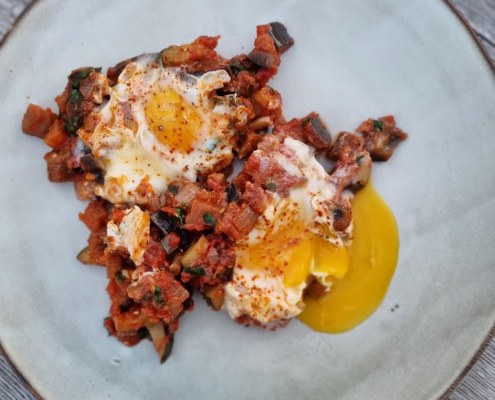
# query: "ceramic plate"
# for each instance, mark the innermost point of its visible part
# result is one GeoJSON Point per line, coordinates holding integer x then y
{"type": "Point", "coordinates": [352, 59]}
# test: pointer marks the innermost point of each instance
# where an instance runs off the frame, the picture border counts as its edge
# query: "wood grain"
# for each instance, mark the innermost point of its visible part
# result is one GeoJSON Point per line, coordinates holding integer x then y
{"type": "Point", "coordinates": [479, 383]}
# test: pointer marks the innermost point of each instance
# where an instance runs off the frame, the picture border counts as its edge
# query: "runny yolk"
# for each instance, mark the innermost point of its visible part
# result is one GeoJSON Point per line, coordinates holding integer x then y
{"type": "Point", "coordinates": [174, 122]}
{"type": "Point", "coordinates": [373, 257]}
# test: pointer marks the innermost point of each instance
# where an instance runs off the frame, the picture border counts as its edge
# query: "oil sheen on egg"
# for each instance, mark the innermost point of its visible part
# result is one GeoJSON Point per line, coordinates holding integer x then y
{"type": "Point", "coordinates": [373, 258]}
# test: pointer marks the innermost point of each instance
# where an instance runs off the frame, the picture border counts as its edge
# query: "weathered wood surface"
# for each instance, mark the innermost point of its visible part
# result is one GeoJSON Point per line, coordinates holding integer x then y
{"type": "Point", "coordinates": [479, 383]}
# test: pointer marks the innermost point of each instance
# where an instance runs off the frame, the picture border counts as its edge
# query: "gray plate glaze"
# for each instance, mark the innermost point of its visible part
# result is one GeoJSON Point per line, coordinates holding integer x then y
{"type": "Point", "coordinates": [352, 59]}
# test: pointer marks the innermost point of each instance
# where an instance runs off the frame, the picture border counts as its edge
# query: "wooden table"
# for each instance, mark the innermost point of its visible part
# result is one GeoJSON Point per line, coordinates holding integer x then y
{"type": "Point", "coordinates": [479, 383]}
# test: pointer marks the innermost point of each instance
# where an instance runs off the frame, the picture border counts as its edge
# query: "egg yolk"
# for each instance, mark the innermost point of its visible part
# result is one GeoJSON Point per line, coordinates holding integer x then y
{"type": "Point", "coordinates": [174, 122]}
{"type": "Point", "coordinates": [373, 257]}
{"type": "Point", "coordinates": [290, 250]}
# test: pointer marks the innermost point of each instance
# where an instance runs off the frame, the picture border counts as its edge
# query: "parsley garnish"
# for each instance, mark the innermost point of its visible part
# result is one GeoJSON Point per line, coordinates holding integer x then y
{"type": "Point", "coordinates": [237, 67]}
{"type": "Point", "coordinates": [209, 219]}
{"type": "Point", "coordinates": [271, 185]}
{"type": "Point", "coordinates": [80, 74]}
{"type": "Point", "coordinates": [159, 300]}
{"type": "Point", "coordinates": [200, 271]}
{"type": "Point", "coordinates": [359, 159]}
{"type": "Point", "coordinates": [75, 96]}
{"type": "Point", "coordinates": [378, 125]}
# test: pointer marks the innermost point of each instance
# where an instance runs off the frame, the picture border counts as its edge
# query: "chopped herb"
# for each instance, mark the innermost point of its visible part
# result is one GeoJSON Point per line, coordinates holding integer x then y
{"type": "Point", "coordinates": [173, 189]}
{"type": "Point", "coordinates": [73, 124]}
{"type": "Point", "coordinates": [181, 215]}
{"type": "Point", "coordinates": [359, 159]}
{"type": "Point", "coordinates": [82, 73]}
{"type": "Point", "coordinates": [200, 271]}
{"type": "Point", "coordinates": [119, 276]}
{"type": "Point", "coordinates": [271, 185]}
{"type": "Point", "coordinates": [159, 300]}
{"type": "Point", "coordinates": [237, 67]}
{"type": "Point", "coordinates": [378, 125]}
{"type": "Point", "coordinates": [225, 276]}
{"type": "Point", "coordinates": [209, 219]}
{"type": "Point", "coordinates": [75, 96]}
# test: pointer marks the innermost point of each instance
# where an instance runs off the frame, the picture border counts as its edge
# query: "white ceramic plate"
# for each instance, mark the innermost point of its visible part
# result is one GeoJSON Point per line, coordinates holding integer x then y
{"type": "Point", "coordinates": [352, 59]}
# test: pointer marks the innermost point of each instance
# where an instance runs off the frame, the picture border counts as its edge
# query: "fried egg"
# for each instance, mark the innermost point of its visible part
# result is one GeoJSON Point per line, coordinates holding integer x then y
{"type": "Point", "coordinates": [294, 242]}
{"type": "Point", "coordinates": [132, 234]}
{"type": "Point", "coordinates": [160, 124]}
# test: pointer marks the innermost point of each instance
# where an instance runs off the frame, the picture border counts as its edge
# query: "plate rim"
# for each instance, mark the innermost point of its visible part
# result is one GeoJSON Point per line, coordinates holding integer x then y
{"type": "Point", "coordinates": [486, 341]}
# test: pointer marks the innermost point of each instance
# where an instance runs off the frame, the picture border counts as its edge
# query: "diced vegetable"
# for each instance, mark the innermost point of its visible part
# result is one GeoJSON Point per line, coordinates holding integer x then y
{"type": "Point", "coordinates": [83, 256]}
{"type": "Point", "coordinates": [215, 295]}
{"type": "Point", "coordinates": [165, 222]}
{"type": "Point", "coordinates": [281, 37]}
{"type": "Point", "coordinates": [316, 132]}
{"type": "Point", "coordinates": [195, 253]}
{"type": "Point", "coordinates": [260, 123]}
{"type": "Point", "coordinates": [56, 135]}
{"type": "Point", "coordinates": [187, 194]}
{"type": "Point", "coordinates": [37, 120]}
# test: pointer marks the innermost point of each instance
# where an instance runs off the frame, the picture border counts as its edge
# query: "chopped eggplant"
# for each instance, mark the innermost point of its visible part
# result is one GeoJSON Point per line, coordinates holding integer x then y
{"type": "Point", "coordinates": [89, 164]}
{"type": "Point", "coordinates": [317, 132]}
{"type": "Point", "coordinates": [232, 193]}
{"type": "Point", "coordinates": [162, 343]}
{"type": "Point", "coordinates": [174, 56]}
{"type": "Point", "coordinates": [342, 217]}
{"type": "Point", "coordinates": [263, 59]}
{"type": "Point", "coordinates": [214, 295]}
{"type": "Point", "coordinates": [168, 244]}
{"type": "Point", "coordinates": [283, 41]}
{"type": "Point", "coordinates": [362, 174]}
{"type": "Point", "coordinates": [260, 123]}
{"type": "Point", "coordinates": [165, 222]}
{"type": "Point", "coordinates": [84, 257]}
{"type": "Point", "coordinates": [195, 253]}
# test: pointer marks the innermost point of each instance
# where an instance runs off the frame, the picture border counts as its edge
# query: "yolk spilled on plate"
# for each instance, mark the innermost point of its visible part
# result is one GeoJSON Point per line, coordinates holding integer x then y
{"type": "Point", "coordinates": [373, 256]}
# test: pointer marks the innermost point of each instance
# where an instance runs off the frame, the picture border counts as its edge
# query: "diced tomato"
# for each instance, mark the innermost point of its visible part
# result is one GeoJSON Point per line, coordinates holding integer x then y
{"type": "Point", "coordinates": [237, 221]}
{"type": "Point", "coordinates": [155, 256]}
{"type": "Point", "coordinates": [255, 197]}
{"type": "Point", "coordinates": [206, 209]}
{"type": "Point", "coordinates": [58, 161]}
{"type": "Point", "coordinates": [37, 120]}
{"type": "Point", "coordinates": [95, 216]}
{"type": "Point", "coordinates": [56, 135]}
{"type": "Point", "coordinates": [113, 264]}
{"type": "Point", "coordinates": [159, 294]}
{"type": "Point", "coordinates": [96, 250]}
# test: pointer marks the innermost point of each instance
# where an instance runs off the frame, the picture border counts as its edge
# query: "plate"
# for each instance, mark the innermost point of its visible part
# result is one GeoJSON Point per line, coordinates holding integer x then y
{"type": "Point", "coordinates": [351, 60]}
